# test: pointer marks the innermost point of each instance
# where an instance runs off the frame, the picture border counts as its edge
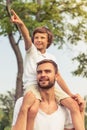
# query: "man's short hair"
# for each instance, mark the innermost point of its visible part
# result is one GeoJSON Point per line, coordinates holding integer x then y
{"type": "Point", "coordinates": [49, 61]}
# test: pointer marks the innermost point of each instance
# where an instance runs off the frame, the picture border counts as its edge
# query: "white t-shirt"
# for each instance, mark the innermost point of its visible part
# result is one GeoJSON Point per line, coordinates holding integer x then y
{"type": "Point", "coordinates": [32, 57]}
{"type": "Point", "coordinates": [58, 120]}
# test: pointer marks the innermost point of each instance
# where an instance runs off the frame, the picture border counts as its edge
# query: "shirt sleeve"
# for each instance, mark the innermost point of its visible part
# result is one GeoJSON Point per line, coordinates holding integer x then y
{"type": "Point", "coordinates": [68, 121]}
{"type": "Point", "coordinates": [16, 110]}
{"type": "Point", "coordinates": [32, 48]}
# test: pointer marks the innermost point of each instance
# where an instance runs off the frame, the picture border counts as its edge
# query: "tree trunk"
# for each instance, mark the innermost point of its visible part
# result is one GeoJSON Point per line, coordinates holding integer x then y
{"type": "Point", "coordinates": [19, 82]}
{"type": "Point", "coordinates": [39, 2]}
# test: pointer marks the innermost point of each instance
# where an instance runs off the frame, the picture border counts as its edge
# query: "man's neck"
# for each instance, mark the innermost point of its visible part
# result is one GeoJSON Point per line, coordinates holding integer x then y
{"type": "Point", "coordinates": [48, 103]}
{"type": "Point", "coordinates": [47, 95]}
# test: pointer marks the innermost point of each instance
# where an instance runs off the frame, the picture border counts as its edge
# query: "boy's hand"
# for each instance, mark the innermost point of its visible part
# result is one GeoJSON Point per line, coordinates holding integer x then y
{"type": "Point", "coordinates": [15, 19]}
{"type": "Point", "coordinates": [80, 101]}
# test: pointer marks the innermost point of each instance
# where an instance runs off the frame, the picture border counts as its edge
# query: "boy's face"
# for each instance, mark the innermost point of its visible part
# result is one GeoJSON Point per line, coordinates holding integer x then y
{"type": "Point", "coordinates": [41, 41]}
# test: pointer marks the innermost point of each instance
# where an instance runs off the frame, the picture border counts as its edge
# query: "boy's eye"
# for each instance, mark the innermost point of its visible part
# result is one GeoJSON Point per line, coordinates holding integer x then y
{"type": "Point", "coordinates": [35, 37]}
{"type": "Point", "coordinates": [38, 37]}
{"type": "Point", "coordinates": [42, 37]}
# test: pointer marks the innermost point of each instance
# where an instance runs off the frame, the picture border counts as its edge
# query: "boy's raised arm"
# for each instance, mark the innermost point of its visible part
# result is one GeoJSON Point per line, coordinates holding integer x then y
{"type": "Point", "coordinates": [25, 33]}
{"type": "Point", "coordinates": [63, 85]}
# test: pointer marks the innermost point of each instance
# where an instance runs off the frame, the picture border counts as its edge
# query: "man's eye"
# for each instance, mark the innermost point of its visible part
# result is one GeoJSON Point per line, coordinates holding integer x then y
{"type": "Point", "coordinates": [39, 72]}
{"type": "Point", "coordinates": [47, 71]}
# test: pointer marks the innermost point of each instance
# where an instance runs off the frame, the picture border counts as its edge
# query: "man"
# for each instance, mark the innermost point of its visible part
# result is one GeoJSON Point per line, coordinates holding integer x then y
{"type": "Point", "coordinates": [50, 115]}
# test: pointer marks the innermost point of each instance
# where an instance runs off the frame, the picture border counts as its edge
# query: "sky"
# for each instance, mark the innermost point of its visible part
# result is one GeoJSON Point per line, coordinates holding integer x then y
{"type": "Point", "coordinates": [8, 66]}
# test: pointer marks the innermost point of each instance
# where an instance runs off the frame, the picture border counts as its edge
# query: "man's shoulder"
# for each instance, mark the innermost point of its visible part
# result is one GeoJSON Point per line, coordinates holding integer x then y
{"type": "Point", "coordinates": [19, 100]}
{"type": "Point", "coordinates": [63, 109]}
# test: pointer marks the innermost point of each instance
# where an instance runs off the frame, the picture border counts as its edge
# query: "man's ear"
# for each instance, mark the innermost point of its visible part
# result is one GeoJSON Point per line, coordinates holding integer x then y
{"type": "Point", "coordinates": [56, 76]}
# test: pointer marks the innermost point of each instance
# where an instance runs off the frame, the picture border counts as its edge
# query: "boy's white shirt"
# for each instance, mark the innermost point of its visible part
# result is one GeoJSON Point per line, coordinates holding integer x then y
{"type": "Point", "coordinates": [32, 57]}
{"type": "Point", "coordinates": [58, 120]}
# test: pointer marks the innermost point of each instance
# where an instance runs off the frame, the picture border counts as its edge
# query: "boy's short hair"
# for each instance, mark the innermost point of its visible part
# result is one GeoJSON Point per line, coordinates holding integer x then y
{"type": "Point", "coordinates": [44, 30]}
{"type": "Point", "coordinates": [49, 61]}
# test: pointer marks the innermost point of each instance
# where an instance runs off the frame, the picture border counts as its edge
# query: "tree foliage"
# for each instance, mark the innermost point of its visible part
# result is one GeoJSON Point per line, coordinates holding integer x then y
{"type": "Point", "coordinates": [67, 19]}
{"type": "Point", "coordinates": [82, 67]}
{"type": "Point", "coordinates": [54, 14]}
{"type": "Point", "coordinates": [7, 106]}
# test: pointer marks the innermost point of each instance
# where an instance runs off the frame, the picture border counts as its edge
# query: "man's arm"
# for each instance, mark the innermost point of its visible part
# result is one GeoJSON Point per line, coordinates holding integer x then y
{"type": "Point", "coordinates": [63, 84]}
{"type": "Point", "coordinates": [69, 129]}
{"type": "Point", "coordinates": [21, 122]}
{"type": "Point", "coordinates": [81, 104]}
{"type": "Point", "coordinates": [25, 33]}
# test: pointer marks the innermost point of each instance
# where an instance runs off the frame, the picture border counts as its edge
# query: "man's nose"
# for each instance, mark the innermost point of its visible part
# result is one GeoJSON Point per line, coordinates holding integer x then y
{"type": "Point", "coordinates": [43, 73]}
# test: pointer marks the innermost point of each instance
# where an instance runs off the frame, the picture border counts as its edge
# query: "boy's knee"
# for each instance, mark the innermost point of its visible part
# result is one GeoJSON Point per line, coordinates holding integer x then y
{"type": "Point", "coordinates": [71, 104]}
{"type": "Point", "coordinates": [34, 109]}
{"type": "Point", "coordinates": [74, 107]}
{"type": "Point", "coordinates": [33, 112]}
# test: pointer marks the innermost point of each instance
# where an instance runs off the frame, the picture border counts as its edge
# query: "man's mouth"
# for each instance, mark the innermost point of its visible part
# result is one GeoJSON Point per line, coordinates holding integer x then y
{"type": "Point", "coordinates": [44, 79]}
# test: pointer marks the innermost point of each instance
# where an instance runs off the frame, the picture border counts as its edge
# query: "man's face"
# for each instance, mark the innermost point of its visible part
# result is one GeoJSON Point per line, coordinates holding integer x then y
{"type": "Point", "coordinates": [41, 41]}
{"type": "Point", "coordinates": [46, 75]}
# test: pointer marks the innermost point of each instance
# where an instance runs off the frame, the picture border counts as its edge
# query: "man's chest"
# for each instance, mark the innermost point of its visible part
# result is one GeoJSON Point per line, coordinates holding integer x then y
{"type": "Point", "coordinates": [54, 121]}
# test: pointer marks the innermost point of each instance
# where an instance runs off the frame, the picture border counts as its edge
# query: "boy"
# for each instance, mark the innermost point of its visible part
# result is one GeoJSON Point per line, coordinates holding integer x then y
{"type": "Point", "coordinates": [36, 51]}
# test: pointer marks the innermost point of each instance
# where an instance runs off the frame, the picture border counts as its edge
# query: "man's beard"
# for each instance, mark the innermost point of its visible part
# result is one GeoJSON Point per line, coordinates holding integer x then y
{"type": "Point", "coordinates": [48, 86]}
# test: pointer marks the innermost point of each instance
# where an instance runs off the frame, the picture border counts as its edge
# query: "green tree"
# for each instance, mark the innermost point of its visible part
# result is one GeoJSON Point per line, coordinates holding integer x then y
{"type": "Point", "coordinates": [67, 19]}
{"type": "Point", "coordinates": [7, 102]}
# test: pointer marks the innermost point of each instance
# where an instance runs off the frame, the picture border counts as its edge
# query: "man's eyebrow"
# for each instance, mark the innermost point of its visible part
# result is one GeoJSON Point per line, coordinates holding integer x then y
{"type": "Point", "coordinates": [44, 70]}
{"type": "Point", "coordinates": [39, 70]}
{"type": "Point", "coordinates": [47, 70]}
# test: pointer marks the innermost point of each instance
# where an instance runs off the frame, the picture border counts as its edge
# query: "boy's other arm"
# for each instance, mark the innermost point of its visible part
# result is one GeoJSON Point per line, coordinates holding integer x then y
{"type": "Point", "coordinates": [25, 33]}
{"type": "Point", "coordinates": [63, 84]}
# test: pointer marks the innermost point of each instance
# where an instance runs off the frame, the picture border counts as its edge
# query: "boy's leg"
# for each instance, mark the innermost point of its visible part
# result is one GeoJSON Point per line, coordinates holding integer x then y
{"type": "Point", "coordinates": [34, 108]}
{"type": "Point", "coordinates": [34, 90]}
{"type": "Point", "coordinates": [77, 119]}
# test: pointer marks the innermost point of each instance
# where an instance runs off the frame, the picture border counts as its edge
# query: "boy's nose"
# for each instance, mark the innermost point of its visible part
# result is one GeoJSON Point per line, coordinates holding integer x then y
{"type": "Point", "coordinates": [39, 39]}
